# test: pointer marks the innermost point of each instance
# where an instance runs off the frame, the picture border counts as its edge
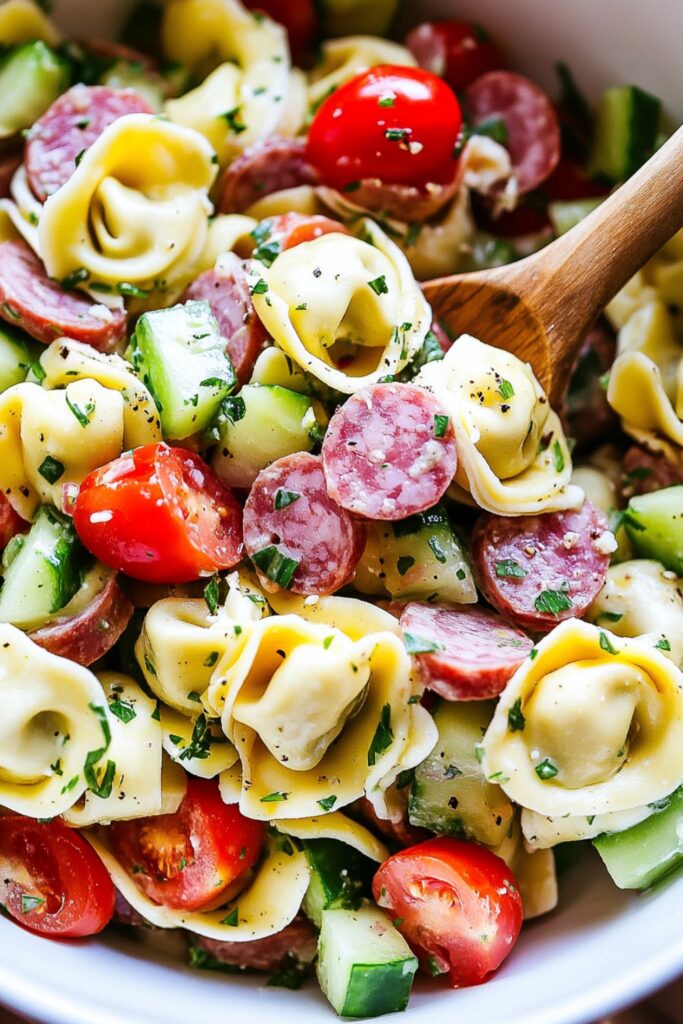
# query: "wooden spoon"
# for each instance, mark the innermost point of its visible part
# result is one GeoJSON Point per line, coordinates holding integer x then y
{"type": "Point", "coordinates": [541, 307]}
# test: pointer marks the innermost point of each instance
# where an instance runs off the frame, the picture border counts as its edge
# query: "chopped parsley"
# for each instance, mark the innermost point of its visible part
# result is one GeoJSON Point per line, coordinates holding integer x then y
{"type": "Point", "coordinates": [546, 770]}
{"type": "Point", "coordinates": [123, 710]}
{"type": "Point", "coordinates": [494, 128]}
{"type": "Point", "coordinates": [383, 737]}
{"type": "Point", "coordinates": [283, 498]}
{"type": "Point", "coordinates": [131, 290]}
{"type": "Point", "coordinates": [75, 278]}
{"type": "Point", "coordinates": [233, 121]}
{"type": "Point", "coordinates": [259, 288]}
{"type": "Point", "coordinates": [29, 903]}
{"type": "Point", "coordinates": [82, 415]}
{"type": "Point", "coordinates": [441, 425]}
{"type": "Point", "coordinates": [274, 798]}
{"type": "Point", "coordinates": [606, 644]}
{"type": "Point", "coordinates": [267, 252]}
{"type": "Point", "coordinates": [396, 134]}
{"type": "Point", "coordinates": [609, 617]}
{"type": "Point", "coordinates": [211, 659]}
{"type": "Point", "coordinates": [421, 645]}
{"type": "Point", "coordinates": [275, 565]}
{"type": "Point", "coordinates": [509, 567]}
{"type": "Point", "coordinates": [558, 457]}
{"type": "Point", "coordinates": [379, 285]}
{"type": "Point", "coordinates": [553, 602]}
{"type": "Point", "coordinates": [232, 918]}
{"type": "Point", "coordinates": [505, 389]}
{"type": "Point", "coordinates": [516, 719]}
{"type": "Point", "coordinates": [211, 594]}
{"type": "Point", "coordinates": [388, 100]}
{"type": "Point", "coordinates": [327, 803]}
{"type": "Point", "coordinates": [663, 644]}
{"type": "Point", "coordinates": [51, 469]}
{"type": "Point", "coordinates": [199, 746]}
{"type": "Point", "coordinates": [234, 408]}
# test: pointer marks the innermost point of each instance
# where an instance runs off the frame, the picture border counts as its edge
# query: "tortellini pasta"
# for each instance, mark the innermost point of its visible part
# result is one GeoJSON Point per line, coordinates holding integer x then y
{"type": "Point", "coordinates": [252, 93]}
{"type": "Point", "coordinates": [346, 309]}
{"type": "Point", "coordinates": [533, 869]}
{"type": "Point", "coordinates": [22, 21]}
{"type": "Point", "coordinates": [646, 380]}
{"type": "Point", "coordinates": [318, 719]}
{"type": "Point", "coordinates": [513, 455]}
{"type": "Point", "coordinates": [55, 728]}
{"type": "Point", "coordinates": [541, 831]}
{"type": "Point", "coordinates": [342, 59]}
{"type": "Point", "coordinates": [196, 745]}
{"type": "Point", "coordinates": [135, 752]}
{"type": "Point", "coordinates": [121, 218]}
{"type": "Point", "coordinates": [601, 725]}
{"type": "Point", "coordinates": [641, 598]}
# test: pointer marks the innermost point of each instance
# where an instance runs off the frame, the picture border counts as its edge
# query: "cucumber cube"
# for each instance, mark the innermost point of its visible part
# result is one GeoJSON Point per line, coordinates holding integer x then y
{"type": "Point", "coordinates": [626, 130]}
{"type": "Point", "coordinates": [654, 524]}
{"type": "Point", "coordinates": [32, 76]}
{"type": "Point", "coordinates": [339, 876]}
{"type": "Point", "coordinates": [648, 851]}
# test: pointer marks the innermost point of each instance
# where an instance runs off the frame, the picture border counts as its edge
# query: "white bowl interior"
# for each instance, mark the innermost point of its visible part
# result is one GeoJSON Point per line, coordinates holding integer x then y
{"type": "Point", "coordinates": [602, 948]}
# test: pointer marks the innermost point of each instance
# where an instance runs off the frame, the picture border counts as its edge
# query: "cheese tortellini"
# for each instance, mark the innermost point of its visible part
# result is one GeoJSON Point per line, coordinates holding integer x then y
{"type": "Point", "coordinates": [646, 380]}
{"type": "Point", "coordinates": [593, 724]}
{"type": "Point", "coordinates": [342, 301]}
{"type": "Point", "coordinates": [123, 218]}
{"type": "Point", "coordinates": [22, 21]}
{"type": "Point", "coordinates": [534, 870]}
{"type": "Point", "coordinates": [55, 728]}
{"type": "Point", "coordinates": [513, 455]}
{"type": "Point", "coordinates": [318, 719]}
{"type": "Point", "coordinates": [343, 59]}
{"type": "Point", "coordinates": [252, 93]}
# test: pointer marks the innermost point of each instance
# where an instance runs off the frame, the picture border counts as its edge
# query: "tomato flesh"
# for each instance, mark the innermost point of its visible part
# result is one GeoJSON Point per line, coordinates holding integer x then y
{"type": "Point", "coordinates": [458, 51]}
{"type": "Point", "coordinates": [291, 229]}
{"type": "Point", "coordinates": [297, 16]}
{"type": "Point", "coordinates": [10, 522]}
{"type": "Point", "coordinates": [51, 880]}
{"type": "Point", "coordinates": [456, 903]}
{"type": "Point", "coordinates": [188, 859]}
{"type": "Point", "coordinates": [159, 514]}
{"type": "Point", "coordinates": [399, 125]}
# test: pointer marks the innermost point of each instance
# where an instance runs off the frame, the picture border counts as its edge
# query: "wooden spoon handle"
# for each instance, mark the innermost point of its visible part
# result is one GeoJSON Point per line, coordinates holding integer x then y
{"type": "Point", "coordinates": [575, 278]}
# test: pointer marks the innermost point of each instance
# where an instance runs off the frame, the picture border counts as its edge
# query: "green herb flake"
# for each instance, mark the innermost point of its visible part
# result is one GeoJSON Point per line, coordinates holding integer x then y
{"type": "Point", "coordinates": [505, 389]}
{"type": "Point", "coordinates": [30, 903]}
{"type": "Point", "coordinates": [441, 425]}
{"type": "Point", "coordinates": [149, 665]}
{"type": "Point", "coordinates": [532, 653]}
{"type": "Point", "coordinates": [57, 767]}
{"type": "Point", "coordinates": [199, 746]}
{"type": "Point", "coordinates": [274, 798]}
{"type": "Point", "coordinates": [211, 659]}
{"type": "Point", "coordinates": [546, 770]}
{"type": "Point", "coordinates": [275, 565]}
{"type": "Point", "coordinates": [132, 291]}
{"type": "Point", "coordinates": [51, 469]}
{"type": "Point", "coordinates": [283, 498]}
{"type": "Point", "coordinates": [259, 288]}
{"type": "Point", "coordinates": [396, 134]}
{"type": "Point", "coordinates": [75, 278]}
{"type": "Point", "coordinates": [327, 803]}
{"type": "Point", "coordinates": [71, 784]}
{"type": "Point", "coordinates": [233, 121]}
{"type": "Point", "coordinates": [663, 644]}
{"type": "Point", "coordinates": [327, 642]}
{"type": "Point", "coordinates": [609, 617]}
{"type": "Point", "coordinates": [82, 415]}
{"type": "Point", "coordinates": [553, 602]}
{"type": "Point", "coordinates": [508, 567]}
{"type": "Point", "coordinates": [123, 710]}
{"type": "Point", "coordinates": [211, 594]}
{"type": "Point", "coordinates": [516, 719]}
{"type": "Point", "coordinates": [383, 737]}
{"type": "Point", "coordinates": [379, 285]}
{"type": "Point", "coordinates": [437, 550]}
{"type": "Point", "coordinates": [387, 100]}
{"type": "Point", "coordinates": [606, 644]}
{"type": "Point", "coordinates": [558, 457]}
{"type": "Point", "coordinates": [232, 918]}
{"type": "Point", "coordinates": [37, 371]}
{"type": "Point", "coordinates": [421, 645]}
{"type": "Point", "coordinates": [404, 563]}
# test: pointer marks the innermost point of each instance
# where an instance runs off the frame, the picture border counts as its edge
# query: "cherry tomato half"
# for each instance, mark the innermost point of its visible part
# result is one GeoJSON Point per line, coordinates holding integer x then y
{"type": "Point", "coordinates": [396, 124]}
{"type": "Point", "coordinates": [51, 880]}
{"type": "Point", "coordinates": [188, 859]}
{"type": "Point", "coordinates": [290, 229]}
{"type": "Point", "coordinates": [159, 514]}
{"type": "Point", "coordinates": [10, 522]}
{"type": "Point", "coordinates": [458, 905]}
{"type": "Point", "coordinates": [458, 51]}
{"type": "Point", "coordinates": [297, 16]}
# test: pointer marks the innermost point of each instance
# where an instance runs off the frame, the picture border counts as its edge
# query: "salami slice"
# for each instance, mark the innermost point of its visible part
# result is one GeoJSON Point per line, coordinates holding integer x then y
{"type": "Point", "coordinates": [32, 300]}
{"type": "Point", "coordinates": [89, 635]}
{"type": "Point", "coordinates": [296, 535]}
{"type": "Point", "coordinates": [538, 570]}
{"type": "Point", "coordinates": [227, 292]}
{"type": "Point", "coordinates": [298, 939]}
{"type": "Point", "coordinates": [389, 452]}
{"type": "Point", "coordinates": [531, 125]}
{"type": "Point", "coordinates": [464, 653]}
{"type": "Point", "coordinates": [70, 125]}
{"type": "Point", "coordinates": [644, 472]}
{"type": "Point", "coordinates": [264, 168]}
{"type": "Point", "coordinates": [10, 522]}
{"type": "Point", "coordinates": [398, 833]}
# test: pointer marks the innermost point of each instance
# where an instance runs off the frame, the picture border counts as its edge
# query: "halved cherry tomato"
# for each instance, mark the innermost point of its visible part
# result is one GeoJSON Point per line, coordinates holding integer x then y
{"type": "Point", "coordinates": [290, 229]}
{"type": "Point", "coordinates": [458, 51]}
{"type": "Point", "coordinates": [159, 514]}
{"type": "Point", "coordinates": [396, 124]}
{"type": "Point", "coordinates": [51, 880]}
{"type": "Point", "coordinates": [297, 16]}
{"type": "Point", "coordinates": [10, 522]}
{"type": "Point", "coordinates": [458, 906]}
{"type": "Point", "coordinates": [188, 859]}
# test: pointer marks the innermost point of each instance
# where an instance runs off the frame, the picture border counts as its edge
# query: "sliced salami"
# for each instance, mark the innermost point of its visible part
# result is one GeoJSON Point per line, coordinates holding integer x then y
{"type": "Point", "coordinates": [266, 167]}
{"type": "Point", "coordinates": [538, 570]}
{"type": "Point", "coordinates": [398, 833]}
{"type": "Point", "coordinates": [292, 229]}
{"type": "Point", "coordinates": [404, 202]}
{"type": "Point", "coordinates": [227, 292]}
{"type": "Point", "coordinates": [531, 126]}
{"type": "Point", "coordinates": [643, 472]}
{"type": "Point", "coordinates": [389, 452]}
{"type": "Point", "coordinates": [71, 125]}
{"type": "Point", "coordinates": [32, 300]}
{"type": "Point", "coordinates": [89, 635]}
{"type": "Point", "coordinates": [464, 653]}
{"type": "Point", "coordinates": [10, 522]}
{"type": "Point", "coordinates": [296, 535]}
{"type": "Point", "coordinates": [298, 939]}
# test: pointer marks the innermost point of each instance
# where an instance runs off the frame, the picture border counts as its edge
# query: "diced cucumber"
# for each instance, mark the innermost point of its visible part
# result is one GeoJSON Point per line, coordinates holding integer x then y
{"type": "Point", "coordinates": [32, 76]}
{"type": "Point", "coordinates": [646, 852]}
{"type": "Point", "coordinates": [419, 557]}
{"type": "Point", "coordinates": [180, 356]}
{"type": "Point", "coordinates": [41, 570]}
{"type": "Point", "coordinates": [654, 524]}
{"type": "Point", "coordinates": [365, 966]}
{"type": "Point", "coordinates": [15, 357]}
{"type": "Point", "coordinates": [565, 214]}
{"type": "Point", "coordinates": [340, 875]}
{"type": "Point", "coordinates": [125, 74]}
{"type": "Point", "coordinates": [262, 423]}
{"type": "Point", "coordinates": [626, 129]}
{"type": "Point", "coordinates": [356, 17]}
{"type": "Point", "coordinates": [449, 793]}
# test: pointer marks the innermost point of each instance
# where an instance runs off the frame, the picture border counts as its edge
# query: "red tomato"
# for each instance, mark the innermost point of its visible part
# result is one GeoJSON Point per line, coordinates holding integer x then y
{"type": "Point", "coordinates": [10, 522]}
{"type": "Point", "coordinates": [159, 514]}
{"type": "Point", "coordinates": [458, 905]}
{"type": "Point", "coordinates": [290, 229]}
{"type": "Point", "coordinates": [458, 51]}
{"type": "Point", "coordinates": [51, 880]}
{"type": "Point", "coordinates": [188, 859]}
{"type": "Point", "coordinates": [396, 124]}
{"type": "Point", "coordinates": [570, 180]}
{"type": "Point", "coordinates": [297, 16]}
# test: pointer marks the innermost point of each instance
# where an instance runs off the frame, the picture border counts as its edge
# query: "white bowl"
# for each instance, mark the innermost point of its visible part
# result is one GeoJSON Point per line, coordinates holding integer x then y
{"type": "Point", "coordinates": [602, 948]}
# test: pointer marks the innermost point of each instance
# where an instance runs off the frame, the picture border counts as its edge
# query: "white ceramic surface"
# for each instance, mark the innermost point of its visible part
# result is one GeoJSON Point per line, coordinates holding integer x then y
{"type": "Point", "coordinates": [601, 949]}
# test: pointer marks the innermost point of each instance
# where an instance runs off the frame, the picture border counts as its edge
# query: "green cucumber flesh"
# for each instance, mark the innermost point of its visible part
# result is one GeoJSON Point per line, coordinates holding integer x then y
{"type": "Point", "coordinates": [340, 875]}
{"type": "Point", "coordinates": [654, 524]}
{"type": "Point", "coordinates": [626, 130]}
{"type": "Point", "coordinates": [32, 76]}
{"type": "Point", "coordinates": [648, 851]}
{"type": "Point", "coordinates": [15, 356]}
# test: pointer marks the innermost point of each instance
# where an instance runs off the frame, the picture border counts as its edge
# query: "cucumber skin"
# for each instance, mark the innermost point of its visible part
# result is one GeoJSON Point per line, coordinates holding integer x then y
{"type": "Point", "coordinates": [660, 837]}
{"type": "Point", "coordinates": [654, 524]}
{"type": "Point", "coordinates": [340, 875]}
{"type": "Point", "coordinates": [627, 125]}
{"type": "Point", "coordinates": [51, 76]}
{"type": "Point", "coordinates": [376, 989]}
{"type": "Point", "coordinates": [15, 357]}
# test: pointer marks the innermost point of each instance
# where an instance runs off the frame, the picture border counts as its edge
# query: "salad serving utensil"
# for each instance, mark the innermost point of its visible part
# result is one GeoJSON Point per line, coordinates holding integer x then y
{"type": "Point", "coordinates": [541, 307]}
